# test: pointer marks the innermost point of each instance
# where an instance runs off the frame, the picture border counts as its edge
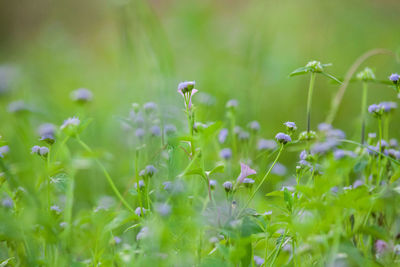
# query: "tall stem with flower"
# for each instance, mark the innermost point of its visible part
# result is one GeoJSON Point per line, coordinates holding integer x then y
{"type": "Point", "coordinates": [186, 89]}
{"type": "Point", "coordinates": [365, 76]}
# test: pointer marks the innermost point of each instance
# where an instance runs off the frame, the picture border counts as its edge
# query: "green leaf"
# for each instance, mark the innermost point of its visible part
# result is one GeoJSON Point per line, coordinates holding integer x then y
{"type": "Point", "coordinates": [330, 76]}
{"type": "Point", "coordinates": [299, 71]}
{"type": "Point", "coordinates": [288, 199]}
{"type": "Point", "coordinates": [217, 169]}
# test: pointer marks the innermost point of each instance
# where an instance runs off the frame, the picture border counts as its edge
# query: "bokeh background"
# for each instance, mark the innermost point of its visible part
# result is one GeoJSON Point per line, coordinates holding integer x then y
{"type": "Point", "coordinates": [129, 51]}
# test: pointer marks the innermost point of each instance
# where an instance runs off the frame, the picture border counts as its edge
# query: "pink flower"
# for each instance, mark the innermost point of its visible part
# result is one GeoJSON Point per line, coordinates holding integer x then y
{"type": "Point", "coordinates": [244, 172]}
{"type": "Point", "coordinates": [187, 91]}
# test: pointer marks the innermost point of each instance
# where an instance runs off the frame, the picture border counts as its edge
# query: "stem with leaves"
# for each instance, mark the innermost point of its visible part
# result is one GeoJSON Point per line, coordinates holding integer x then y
{"type": "Point", "coordinates": [309, 101]}
{"type": "Point", "coordinates": [364, 111]}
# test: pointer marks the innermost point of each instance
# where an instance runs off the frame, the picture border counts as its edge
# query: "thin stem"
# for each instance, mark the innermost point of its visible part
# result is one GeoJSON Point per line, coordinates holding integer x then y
{"type": "Point", "coordinates": [107, 175]}
{"type": "Point", "coordinates": [137, 181]}
{"type": "Point", "coordinates": [364, 111]}
{"type": "Point", "coordinates": [386, 123]}
{"type": "Point", "coordinates": [263, 179]}
{"type": "Point", "coordinates": [309, 101]}
{"type": "Point", "coordinates": [380, 150]}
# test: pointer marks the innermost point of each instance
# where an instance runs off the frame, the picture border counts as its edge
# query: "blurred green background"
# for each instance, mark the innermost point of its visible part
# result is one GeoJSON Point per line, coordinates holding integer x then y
{"type": "Point", "coordinates": [137, 51]}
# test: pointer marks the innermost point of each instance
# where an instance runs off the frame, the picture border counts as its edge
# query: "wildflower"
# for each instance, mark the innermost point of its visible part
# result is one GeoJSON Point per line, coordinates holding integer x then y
{"type": "Point", "coordinates": [164, 209]}
{"type": "Point", "coordinates": [376, 110]}
{"type": "Point", "coordinates": [46, 129]}
{"type": "Point", "coordinates": [307, 136]}
{"type": "Point", "coordinates": [394, 78]}
{"type": "Point", "coordinates": [117, 240]}
{"type": "Point", "coordinates": [138, 211]}
{"type": "Point", "coordinates": [155, 130]}
{"type": "Point", "coordinates": [244, 136]}
{"type": "Point", "coordinates": [248, 182]}
{"type": "Point", "coordinates": [141, 184]}
{"type": "Point", "coordinates": [213, 183]}
{"type": "Point", "coordinates": [290, 126]}
{"type": "Point", "coordinates": [339, 154]}
{"type": "Point", "coordinates": [7, 202]}
{"type": "Point", "coordinates": [254, 126]}
{"type": "Point", "coordinates": [283, 138]}
{"type": "Point", "coordinates": [167, 185]}
{"type": "Point", "coordinates": [335, 134]}
{"type": "Point", "coordinates": [228, 186]}
{"type": "Point", "coordinates": [244, 172]}
{"type": "Point", "coordinates": [314, 66]}
{"type": "Point", "coordinates": [55, 208]}
{"type": "Point", "coordinates": [18, 106]}
{"type": "Point", "coordinates": [394, 153]}
{"type": "Point", "coordinates": [279, 169]}
{"type": "Point", "coordinates": [226, 153]}
{"type": "Point", "coordinates": [258, 260]}
{"type": "Point", "coordinates": [186, 89]}
{"type": "Point", "coordinates": [70, 123]}
{"type": "Point", "coordinates": [372, 135]}
{"type": "Point", "coordinates": [169, 129]}
{"type": "Point", "coordinates": [393, 142]}
{"type": "Point", "coordinates": [380, 246]}
{"type": "Point", "coordinates": [140, 132]}
{"type": "Point", "coordinates": [366, 75]}
{"type": "Point", "coordinates": [388, 106]}
{"type": "Point", "coordinates": [144, 232]}
{"type": "Point", "coordinates": [223, 134]}
{"type": "Point", "coordinates": [324, 147]}
{"type": "Point", "coordinates": [82, 95]}
{"type": "Point", "coordinates": [43, 151]}
{"type": "Point", "coordinates": [264, 144]}
{"type": "Point", "coordinates": [150, 170]}
{"type": "Point", "coordinates": [150, 107]}
{"type": "Point", "coordinates": [4, 150]}
{"type": "Point", "coordinates": [357, 183]}
{"type": "Point", "coordinates": [232, 104]}
{"type": "Point", "coordinates": [324, 127]}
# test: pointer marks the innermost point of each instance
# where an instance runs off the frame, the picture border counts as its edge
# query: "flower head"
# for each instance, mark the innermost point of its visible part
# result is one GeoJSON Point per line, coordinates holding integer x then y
{"type": "Point", "coordinates": [186, 89]}
{"type": "Point", "coordinates": [376, 110]}
{"type": "Point", "coordinates": [380, 246]}
{"type": "Point", "coordinates": [70, 122]}
{"type": "Point", "coordinates": [264, 144]}
{"type": "Point", "coordinates": [150, 170]}
{"type": "Point", "coordinates": [223, 134]}
{"type": "Point", "coordinates": [394, 78]}
{"type": "Point", "coordinates": [82, 95]}
{"type": "Point", "coordinates": [228, 186]}
{"type": "Point", "coordinates": [138, 211]}
{"type": "Point", "coordinates": [283, 138]}
{"type": "Point", "coordinates": [254, 126]}
{"type": "Point", "coordinates": [244, 172]}
{"type": "Point", "coordinates": [226, 153]}
{"type": "Point", "coordinates": [233, 103]}
{"type": "Point", "coordinates": [388, 106]}
{"type": "Point", "coordinates": [366, 75]}
{"type": "Point", "coordinates": [290, 126]}
{"type": "Point", "coordinates": [213, 184]}
{"type": "Point", "coordinates": [315, 66]}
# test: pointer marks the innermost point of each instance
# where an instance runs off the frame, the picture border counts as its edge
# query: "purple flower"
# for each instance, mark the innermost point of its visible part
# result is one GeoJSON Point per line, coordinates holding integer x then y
{"type": "Point", "coordinates": [150, 170]}
{"type": "Point", "coordinates": [233, 103]}
{"type": "Point", "coordinates": [394, 78]}
{"type": "Point", "coordinates": [258, 260]}
{"type": "Point", "coordinates": [46, 129]}
{"type": "Point", "coordinates": [283, 138]}
{"type": "Point", "coordinates": [357, 183]}
{"type": "Point", "coordinates": [18, 106]}
{"type": "Point", "coordinates": [375, 109]}
{"type": "Point", "coordinates": [388, 106]}
{"type": "Point", "coordinates": [226, 153]}
{"type": "Point", "coordinates": [254, 126]}
{"type": "Point", "coordinates": [290, 126]}
{"type": "Point", "coordinates": [279, 169]}
{"type": "Point", "coordinates": [143, 233]}
{"type": "Point", "coordinates": [7, 202]}
{"type": "Point", "coordinates": [82, 95]}
{"type": "Point", "coordinates": [223, 134]}
{"type": "Point", "coordinates": [55, 208]}
{"type": "Point", "coordinates": [336, 134]}
{"type": "Point", "coordinates": [228, 186]}
{"type": "Point", "coordinates": [117, 240]}
{"type": "Point", "coordinates": [324, 127]}
{"type": "Point", "coordinates": [264, 144]}
{"type": "Point", "coordinates": [140, 132]}
{"type": "Point", "coordinates": [43, 151]}
{"type": "Point", "coordinates": [244, 136]}
{"type": "Point", "coordinates": [169, 129]}
{"type": "Point", "coordinates": [4, 150]}
{"type": "Point", "coordinates": [248, 182]}
{"type": "Point", "coordinates": [70, 122]}
{"type": "Point", "coordinates": [150, 106]}
{"type": "Point", "coordinates": [380, 246]}
{"type": "Point", "coordinates": [35, 149]}
{"type": "Point", "coordinates": [155, 130]}
{"type": "Point", "coordinates": [141, 184]}
{"type": "Point", "coordinates": [244, 172]}
{"type": "Point", "coordinates": [213, 184]}
{"type": "Point", "coordinates": [164, 209]}
{"type": "Point", "coordinates": [186, 89]}
{"type": "Point", "coordinates": [138, 211]}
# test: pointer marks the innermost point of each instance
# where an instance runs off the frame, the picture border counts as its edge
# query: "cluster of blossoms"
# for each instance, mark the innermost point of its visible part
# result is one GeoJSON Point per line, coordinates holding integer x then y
{"type": "Point", "coordinates": [41, 151]}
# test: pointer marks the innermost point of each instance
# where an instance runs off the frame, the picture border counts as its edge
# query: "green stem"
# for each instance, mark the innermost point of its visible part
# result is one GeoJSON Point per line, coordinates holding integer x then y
{"type": "Point", "coordinates": [364, 111]}
{"type": "Point", "coordinates": [380, 151]}
{"type": "Point", "coordinates": [107, 175]}
{"type": "Point", "coordinates": [263, 180]}
{"type": "Point", "coordinates": [309, 101]}
{"type": "Point", "coordinates": [137, 181]}
{"type": "Point", "coordinates": [386, 127]}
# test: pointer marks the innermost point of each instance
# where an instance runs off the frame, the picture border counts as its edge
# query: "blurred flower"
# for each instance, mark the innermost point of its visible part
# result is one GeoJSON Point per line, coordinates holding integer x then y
{"type": "Point", "coordinates": [380, 246]}
{"type": "Point", "coordinates": [366, 75]}
{"type": "Point", "coordinates": [82, 95]}
{"type": "Point", "coordinates": [290, 126]}
{"type": "Point", "coordinates": [324, 127]}
{"type": "Point", "coordinates": [143, 233]}
{"type": "Point", "coordinates": [141, 184]}
{"type": "Point", "coordinates": [4, 150]}
{"type": "Point", "coordinates": [357, 183]}
{"type": "Point", "coordinates": [244, 136]}
{"type": "Point", "coordinates": [169, 129]}
{"type": "Point", "coordinates": [117, 240]}
{"type": "Point", "coordinates": [254, 126]}
{"type": "Point", "coordinates": [55, 208]}
{"type": "Point", "coordinates": [244, 172]}
{"type": "Point", "coordinates": [388, 106]}
{"type": "Point", "coordinates": [49, 139]}
{"type": "Point", "coordinates": [7, 202]}
{"type": "Point", "coordinates": [186, 89]}
{"type": "Point", "coordinates": [375, 109]}
{"type": "Point", "coordinates": [228, 186]}
{"type": "Point", "coordinates": [394, 78]}
{"type": "Point", "coordinates": [140, 132]}
{"type": "Point", "coordinates": [138, 211]}
{"type": "Point", "coordinates": [258, 260]}
{"type": "Point", "coordinates": [150, 107]}
{"type": "Point", "coordinates": [70, 122]}
{"type": "Point", "coordinates": [226, 153]}
{"type": "Point", "coordinates": [164, 209]}
{"type": "Point", "coordinates": [46, 129]}
{"type": "Point", "coordinates": [264, 144]}
{"type": "Point", "coordinates": [18, 106]}
{"type": "Point", "coordinates": [279, 169]}
{"type": "Point", "coordinates": [223, 134]}
{"type": "Point", "coordinates": [155, 130]}
{"type": "Point", "coordinates": [43, 151]}
{"type": "Point", "coordinates": [339, 154]}
{"type": "Point", "coordinates": [283, 138]}
{"type": "Point", "coordinates": [213, 184]}
{"type": "Point", "coordinates": [233, 103]}
{"type": "Point", "coordinates": [324, 147]}
{"type": "Point", "coordinates": [248, 182]}
{"type": "Point", "coordinates": [150, 170]}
